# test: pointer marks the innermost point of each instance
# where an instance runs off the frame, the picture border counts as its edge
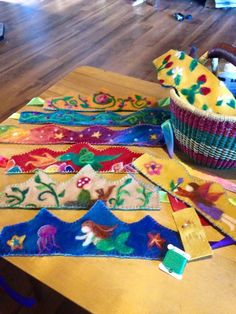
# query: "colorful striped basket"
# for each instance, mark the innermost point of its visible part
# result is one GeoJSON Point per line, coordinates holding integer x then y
{"type": "Point", "coordinates": [209, 139]}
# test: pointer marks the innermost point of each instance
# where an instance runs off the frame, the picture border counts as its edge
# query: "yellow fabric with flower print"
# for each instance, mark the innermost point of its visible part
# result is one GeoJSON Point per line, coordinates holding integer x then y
{"type": "Point", "coordinates": [194, 83]}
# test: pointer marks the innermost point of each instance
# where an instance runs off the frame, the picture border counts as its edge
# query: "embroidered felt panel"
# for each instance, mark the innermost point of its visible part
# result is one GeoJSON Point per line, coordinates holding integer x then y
{"type": "Point", "coordinates": [67, 117]}
{"type": "Point", "coordinates": [195, 84]}
{"type": "Point", "coordinates": [140, 135]}
{"type": "Point", "coordinates": [112, 159]}
{"type": "Point", "coordinates": [97, 233]}
{"type": "Point", "coordinates": [100, 101]}
{"type": "Point", "coordinates": [80, 192]}
{"type": "Point", "coordinates": [209, 198]}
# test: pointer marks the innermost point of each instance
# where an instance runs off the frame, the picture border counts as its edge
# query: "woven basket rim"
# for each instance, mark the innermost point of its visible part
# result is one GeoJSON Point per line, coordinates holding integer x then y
{"type": "Point", "coordinates": [201, 113]}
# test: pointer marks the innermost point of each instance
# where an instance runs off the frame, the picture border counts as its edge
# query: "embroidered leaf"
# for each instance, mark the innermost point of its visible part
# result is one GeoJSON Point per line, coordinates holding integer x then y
{"type": "Point", "coordinates": [177, 79]}
{"type": "Point", "coordinates": [172, 185]}
{"type": "Point", "coordinates": [182, 55]}
{"type": "Point", "coordinates": [170, 72]}
{"type": "Point", "coordinates": [15, 189]}
{"type": "Point", "coordinates": [37, 179]}
{"type": "Point", "coordinates": [219, 103]}
{"type": "Point", "coordinates": [124, 192]}
{"type": "Point", "coordinates": [193, 65]}
{"type": "Point", "coordinates": [84, 105]}
{"type": "Point", "coordinates": [62, 194]}
{"type": "Point", "coordinates": [120, 202]}
{"type": "Point", "coordinates": [30, 205]}
{"type": "Point", "coordinates": [41, 187]}
{"type": "Point", "coordinates": [164, 102]}
{"type": "Point", "coordinates": [139, 190]}
{"type": "Point", "coordinates": [232, 103]}
{"type": "Point", "coordinates": [185, 91]}
{"type": "Point", "coordinates": [204, 107]}
{"type": "Point", "coordinates": [138, 97]}
{"type": "Point", "coordinates": [191, 98]}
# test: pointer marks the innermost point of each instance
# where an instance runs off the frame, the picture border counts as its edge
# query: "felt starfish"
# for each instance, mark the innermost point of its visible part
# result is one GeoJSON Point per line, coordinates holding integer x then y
{"type": "Point", "coordinates": [58, 136]}
{"type": "Point", "coordinates": [16, 242]}
{"type": "Point", "coordinates": [153, 136]}
{"type": "Point", "coordinates": [155, 239]}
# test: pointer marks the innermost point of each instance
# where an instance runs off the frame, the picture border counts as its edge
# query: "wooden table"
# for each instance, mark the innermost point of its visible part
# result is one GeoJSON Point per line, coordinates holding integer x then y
{"type": "Point", "coordinates": [109, 285]}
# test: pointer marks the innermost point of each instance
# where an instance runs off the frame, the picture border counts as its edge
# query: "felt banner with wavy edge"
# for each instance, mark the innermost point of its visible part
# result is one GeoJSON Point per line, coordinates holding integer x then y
{"type": "Point", "coordinates": [97, 233]}
{"type": "Point", "coordinates": [81, 191]}
{"type": "Point", "coordinates": [109, 118]}
{"type": "Point", "coordinates": [100, 101]}
{"type": "Point", "coordinates": [112, 159]}
{"type": "Point", "coordinates": [140, 135]}
{"type": "Point", "coordinates": [209, 198]}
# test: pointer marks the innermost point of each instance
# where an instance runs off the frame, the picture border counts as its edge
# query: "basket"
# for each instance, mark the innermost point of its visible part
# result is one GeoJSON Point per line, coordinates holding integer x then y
{"type": "Point", "coordinates": [209, 139]}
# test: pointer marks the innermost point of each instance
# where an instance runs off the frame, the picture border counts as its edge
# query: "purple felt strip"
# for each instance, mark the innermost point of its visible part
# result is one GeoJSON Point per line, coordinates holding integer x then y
{"type": "Point", "coordinates": [222, 243]}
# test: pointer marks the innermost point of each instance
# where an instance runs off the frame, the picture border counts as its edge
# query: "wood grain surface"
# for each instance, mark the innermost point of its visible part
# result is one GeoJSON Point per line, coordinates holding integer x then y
{"type": "Point", "coordinates": [109, 285]}
{"type": "Point", "coordinates": [45, 40]}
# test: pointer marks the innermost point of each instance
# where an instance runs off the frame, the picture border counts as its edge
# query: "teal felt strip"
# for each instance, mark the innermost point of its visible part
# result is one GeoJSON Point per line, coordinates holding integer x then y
{"type": "Point", "coordinates": [66, 117]}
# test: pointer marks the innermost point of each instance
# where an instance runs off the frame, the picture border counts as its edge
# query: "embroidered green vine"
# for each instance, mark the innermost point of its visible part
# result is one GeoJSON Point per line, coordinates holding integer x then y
{"type": "Point", "coordinates": [15, 200]}
{"type": "Point", "coordinates": [146, 195]}
{"type": "Point", "coordinates": [174, 186]}
{"type": "Point", "coordinates": [48, 189]}
{"type": "Point", "coordinates": [119, 200]}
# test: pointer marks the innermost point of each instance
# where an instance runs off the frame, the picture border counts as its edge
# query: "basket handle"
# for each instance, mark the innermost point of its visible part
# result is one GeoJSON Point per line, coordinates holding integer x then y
{"type": "Point", "coordinates": [222, 50]}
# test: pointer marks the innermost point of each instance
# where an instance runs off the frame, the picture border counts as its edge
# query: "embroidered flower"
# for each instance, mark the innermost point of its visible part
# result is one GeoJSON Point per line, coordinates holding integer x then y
{"type": "Point", "coordinates": [168, 65]}
{"type": "Point", "coordinates": [167, 58]}
{"type": "Point", "coordinates": [202, 79]}
{"type": "Point", "coordinates": [205, 90]}
{"type": "Point", "coordinates": [153, 168]}
{"type": "Point", "coordinates": [226, 100]}
{"type": "Point", "coordinates": [177, 71]}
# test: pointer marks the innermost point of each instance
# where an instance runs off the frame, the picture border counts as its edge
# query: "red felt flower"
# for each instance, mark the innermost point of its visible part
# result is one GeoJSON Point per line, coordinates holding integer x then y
{"type": "Point", "coordinates": [168, 65]}
{"type": "Point", "coordinates": [161, 81]}
{"type": "Point", "coordinates": [167, 58]}
{"type": "Point", "coordinates": [202, 79]}
{"type": "Point", "coordinates": [205, 90]}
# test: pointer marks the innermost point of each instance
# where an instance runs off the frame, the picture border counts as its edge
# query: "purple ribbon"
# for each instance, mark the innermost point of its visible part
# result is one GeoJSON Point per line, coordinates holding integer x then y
{"type": "Point", "coordinates": [27, 302]}
{"type": "Point", "coordinates": [226, 241]}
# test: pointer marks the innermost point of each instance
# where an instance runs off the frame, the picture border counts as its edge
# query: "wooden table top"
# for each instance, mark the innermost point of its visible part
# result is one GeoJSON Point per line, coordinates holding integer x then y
{"type": "Point", "coordinates": [110, 285]}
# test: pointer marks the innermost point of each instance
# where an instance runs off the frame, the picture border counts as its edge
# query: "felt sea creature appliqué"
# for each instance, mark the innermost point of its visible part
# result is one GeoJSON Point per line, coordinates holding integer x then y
{"type": "Point", "coordinates": [139, 135]}
{"type": "Point", "coordinates": [195, 84]}
{"type": "Point", "coordinates": [66, 117]}
{"type": "Point", "coordinates": [209, 198]}
{"type": "Point", "coordinates": [112, 159]}
{"type": "Point", "coordinates": [80, 192]}
{"type": "Point", "coordinates": [97, 233]}
{"type": "Point", "coordinates": [100, 101]}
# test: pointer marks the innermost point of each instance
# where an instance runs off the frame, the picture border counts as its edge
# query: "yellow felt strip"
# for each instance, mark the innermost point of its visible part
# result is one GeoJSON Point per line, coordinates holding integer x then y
{"type": "Point", "coordinates": [192, 233]}
{"type": "Point", "coordinates": [209, 198]}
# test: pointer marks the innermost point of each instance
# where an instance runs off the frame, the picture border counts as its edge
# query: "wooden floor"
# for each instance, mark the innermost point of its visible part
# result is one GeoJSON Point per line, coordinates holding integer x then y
{"type": "Point", "coordinates": [47, 39]}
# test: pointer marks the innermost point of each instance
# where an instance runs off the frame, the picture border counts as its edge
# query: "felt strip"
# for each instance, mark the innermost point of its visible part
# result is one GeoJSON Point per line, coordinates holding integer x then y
{"type": "Point", "coordinates": [140, 135]}
{"type": "Point", "coordinates": [66, 117]}
{"type": "Point", "coordinates": [100, 101]}
{"type": "Point", "coordinates": [80, 192]}
{"type": "Point", "coordinates": [192, 233]}
{"type": "Point", "coordinates": [112, 159]}
{"type": "Point", "coordinates": [97, 233]}
{"type": "Point", "coordinates": [209, 198]}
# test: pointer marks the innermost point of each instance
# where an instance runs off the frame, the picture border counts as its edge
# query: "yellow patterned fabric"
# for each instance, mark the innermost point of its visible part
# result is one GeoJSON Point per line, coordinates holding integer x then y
{"type": "Point", "coordinates": [194, 83]}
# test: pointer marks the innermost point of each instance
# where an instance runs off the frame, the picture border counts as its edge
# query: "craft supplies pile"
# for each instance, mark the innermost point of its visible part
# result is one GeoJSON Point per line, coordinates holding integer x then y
{"type": "Point", "coordinates": [112, 178]}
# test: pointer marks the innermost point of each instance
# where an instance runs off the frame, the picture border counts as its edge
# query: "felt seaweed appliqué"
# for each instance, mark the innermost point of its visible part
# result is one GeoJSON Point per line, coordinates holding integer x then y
{"type": "Point", "coordinates": [100, 101]}
{"type": "Point", "coordinates": [97, 233]}
{"type": "Point", "coordinates": [80, 192]}
{"type": "Point", "coordinates": [112, 159]}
